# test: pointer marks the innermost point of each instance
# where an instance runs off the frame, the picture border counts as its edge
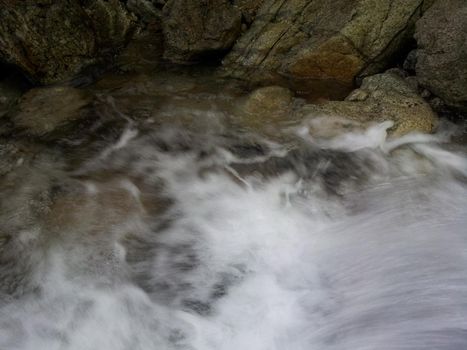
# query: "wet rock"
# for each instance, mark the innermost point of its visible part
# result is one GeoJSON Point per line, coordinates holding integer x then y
{"type": "Point", "coordinates": [268, 110]}
{"type": "Point", "coordinates": [51, 41]}
{"type": "Point", "coordinates": [12, 155]}
{"type": "Point", "coordinates": [143, 53]}
{"type": "Point", "coordinates": [442, 51]}
{"type": "Point", "coordinates": [268, 102]}
{"type": "Point", "coordinates": [10, 91]}
{"type": "Point", "coordinates": [411, 62]}
{"type": "Point", "coordinates": [381, 97]}
{"type": "Point", "coordinates": [249, 8]}
{"type": "Point", "coordinates": [199, 29]}
{"type": "Point", "coordinates": [42, 111]}
{"type": "Point", "coordinates": [147, 10]}
{"type": "Point", "coordinates": [332, 40]}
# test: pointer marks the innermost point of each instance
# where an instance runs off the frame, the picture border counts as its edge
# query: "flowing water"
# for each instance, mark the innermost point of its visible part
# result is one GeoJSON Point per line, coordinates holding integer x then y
{"type": "Point", "coordinates": [170, 238]}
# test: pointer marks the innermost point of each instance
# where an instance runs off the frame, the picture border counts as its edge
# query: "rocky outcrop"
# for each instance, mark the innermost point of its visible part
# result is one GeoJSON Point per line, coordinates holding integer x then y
{"type": "Point", "coordinates": [198, 29]}
{"type": "Point", "coordinates": [441, 65]}
{"type": "Point", "coordinates": [381, 97]}
{"type": "Point", "coordinates": [51, 41]}
{"type": "Point", "coordinates": [324, 39]}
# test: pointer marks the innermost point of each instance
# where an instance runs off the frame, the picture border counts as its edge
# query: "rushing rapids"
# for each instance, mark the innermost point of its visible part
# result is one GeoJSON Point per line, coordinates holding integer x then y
{"type": "Point", "coordinates": [176, 240]}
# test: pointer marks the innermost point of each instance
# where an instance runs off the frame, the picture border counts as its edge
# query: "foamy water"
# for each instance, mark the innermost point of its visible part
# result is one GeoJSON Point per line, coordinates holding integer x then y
{"type": "Point", "coordinates": [351, 243]}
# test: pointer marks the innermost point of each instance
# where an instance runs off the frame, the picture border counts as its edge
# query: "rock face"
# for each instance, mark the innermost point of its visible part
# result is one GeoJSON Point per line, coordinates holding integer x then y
{"type": "Point", "coordinates": [249, 8]}
{"type": "Point", "coordinates": [324, 39]}
{"type": "Point", "coordinates": [199, 29]}
{"type": "Point", "coordinates": [381, 97]}
{"type": "Point", "coordinates": [146, 10]}
{"type": "Point", "coordinates": [51, 41]}
{"type": "Point", "coordinates": [442, 54]}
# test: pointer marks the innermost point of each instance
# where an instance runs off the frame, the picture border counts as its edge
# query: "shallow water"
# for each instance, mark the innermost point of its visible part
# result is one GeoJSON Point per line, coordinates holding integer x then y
{"type": "Point", "coordinates": [169, 238]}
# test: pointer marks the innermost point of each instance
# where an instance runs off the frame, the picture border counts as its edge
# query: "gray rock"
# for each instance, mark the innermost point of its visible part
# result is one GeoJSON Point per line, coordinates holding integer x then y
{"type": "Point", "coordinates": [442, 51]}
{"type": "Point", "coordinates": [381, 97]}
{"type": "Point", "coordinates": [196, 29]}
{"type": "Point", "coordinates": [51, 41]}
{"type": "Point", "coordinates": [323, 39]}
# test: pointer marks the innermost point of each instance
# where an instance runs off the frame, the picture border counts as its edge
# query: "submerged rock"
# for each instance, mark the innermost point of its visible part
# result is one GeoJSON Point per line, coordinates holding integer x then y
{"type": "Point", "coordinates": [52, 41]}
{"type": "Point", "coordinates": [268, 102]}
{"type": "Point", "coordinates": [268, 111]}
{"type": "Point", "coordinates": [381, 97]}
{"type": "Point", "coordinates": [42, 111]}
{"type": "Point", "coordinates": [199, 29]}
{"type": "Point", "coordinates": [335, 40]}
{"type": "Point", "coordinates": [442, 51]}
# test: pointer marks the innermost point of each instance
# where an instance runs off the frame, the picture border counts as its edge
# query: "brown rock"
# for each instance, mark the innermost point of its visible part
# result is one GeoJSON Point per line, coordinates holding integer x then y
{"type": "Point", "coordinates": [335, 40]}
{"type": "Point", "coordinates": [51, 41]}
{"type": "Point", "coordinates": [381, 97]}
{"type": "Point", "coordinates": [44, 110]}
{"type": "Point", "coordinates": [196, 29]}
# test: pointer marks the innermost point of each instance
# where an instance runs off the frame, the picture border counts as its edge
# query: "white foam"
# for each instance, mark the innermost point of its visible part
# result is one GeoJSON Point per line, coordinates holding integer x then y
{"type": "Point", "coordinates": [383, 268]}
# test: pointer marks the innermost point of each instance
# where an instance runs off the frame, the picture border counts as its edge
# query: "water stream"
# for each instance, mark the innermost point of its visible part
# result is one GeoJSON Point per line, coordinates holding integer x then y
{"type": "Point", "coordinates": [171, 238]}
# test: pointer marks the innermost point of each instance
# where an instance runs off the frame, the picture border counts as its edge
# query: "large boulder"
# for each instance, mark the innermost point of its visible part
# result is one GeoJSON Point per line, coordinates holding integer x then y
{"type": "Point", "coordinates": [51, 41]}
{"type": "Point", "coordinates": [324, 39]}
{"type": "Point", "coordinates": [197, 29]}
{"type": "Point", "coordinates": [442, 51]}
{"type": "Point", "coordinates": [382, 97]}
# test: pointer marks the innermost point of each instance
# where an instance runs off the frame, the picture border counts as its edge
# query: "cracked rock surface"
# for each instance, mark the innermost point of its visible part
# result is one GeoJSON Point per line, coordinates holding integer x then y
{"type": "Point", "coordinates": [336, 40]}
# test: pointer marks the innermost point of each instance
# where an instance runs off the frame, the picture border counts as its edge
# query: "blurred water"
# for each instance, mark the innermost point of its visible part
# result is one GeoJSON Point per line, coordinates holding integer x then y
{"type": "Point", "coordinates": [172, 240]}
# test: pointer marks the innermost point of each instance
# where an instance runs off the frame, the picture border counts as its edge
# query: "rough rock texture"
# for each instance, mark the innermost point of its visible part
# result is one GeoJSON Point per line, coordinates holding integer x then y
{"type": "Point", "coordinates": [249, 8]}
{"type": "Point", "coordinates": [197, 29]}
{"type": "Point", "coordinates": [51, 41]}
{"type": "Point", "coordinates": [442, 51]}
{"type": "Point", "coordinates": [146, 10]}
{"type": "Point", "coordinates": [381, 97]}
{"type": "Point", "coordinates": [44, 110]}
{"type": "Point", "coordinates": [324, 39]}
